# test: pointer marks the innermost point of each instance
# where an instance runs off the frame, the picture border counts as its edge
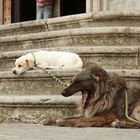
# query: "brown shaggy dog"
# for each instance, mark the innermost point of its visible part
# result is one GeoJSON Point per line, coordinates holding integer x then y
{"type": "Point", "coordinates": [103, 100]}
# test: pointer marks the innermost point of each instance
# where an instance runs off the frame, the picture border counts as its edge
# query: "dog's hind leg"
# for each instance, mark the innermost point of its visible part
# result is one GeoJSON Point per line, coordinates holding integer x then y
{"type": "Point", "coordinates": [136, 112]}
{"type": "Point", "coordinates": [132, 122]}
{"type": "Point", "coordinates": [125, 124]}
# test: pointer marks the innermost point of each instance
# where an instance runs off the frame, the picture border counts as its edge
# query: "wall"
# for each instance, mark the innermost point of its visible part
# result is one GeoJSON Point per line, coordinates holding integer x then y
{"type": "Point", "coordinates": [1, 12]}
{"type": "Point", "coordinates": [119, 5]}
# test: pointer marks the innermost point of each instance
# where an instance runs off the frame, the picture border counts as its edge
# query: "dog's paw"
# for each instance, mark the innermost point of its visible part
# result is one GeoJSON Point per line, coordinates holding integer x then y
{"type": "Point", "coordinates": [118, 124]}
{"type": "Point", "coordinates": [45, 122]}
{"type": "Point", "coordinates": [60, 122]}
{"type": "Point", "coordinates": [48, 122]}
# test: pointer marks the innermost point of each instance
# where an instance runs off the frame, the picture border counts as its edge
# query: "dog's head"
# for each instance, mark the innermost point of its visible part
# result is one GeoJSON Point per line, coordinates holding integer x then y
{"type": "Point", "coordinates": [87, 81]}
{"type": "Point", "coordinates": [23, 64]}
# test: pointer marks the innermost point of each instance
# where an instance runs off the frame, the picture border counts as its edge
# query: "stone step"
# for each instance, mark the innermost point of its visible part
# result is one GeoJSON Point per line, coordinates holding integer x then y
{"type": "Point", "coordinates": [95, 36]}
{"type": "Point", "coordinates": [18, 106]}
{"type": "Point", "coordinates": [37, 82]}
{"type": "Point", "coordinates": [111, 57]}
{"type": "Point", "coordinates": [37, 109]}
{"type": "Point", "coordinates": [100, 19]}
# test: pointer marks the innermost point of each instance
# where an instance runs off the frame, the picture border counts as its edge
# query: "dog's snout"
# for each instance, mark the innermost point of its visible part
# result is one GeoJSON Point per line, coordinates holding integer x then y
{"type": "Point", "coordinates": [14, 71]}
{"type": "Point", "coordinates": [64, 93]}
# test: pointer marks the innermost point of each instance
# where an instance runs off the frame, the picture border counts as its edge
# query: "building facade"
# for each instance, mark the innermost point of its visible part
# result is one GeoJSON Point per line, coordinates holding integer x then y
{"type": "Point", "coordinates": [22, 10]}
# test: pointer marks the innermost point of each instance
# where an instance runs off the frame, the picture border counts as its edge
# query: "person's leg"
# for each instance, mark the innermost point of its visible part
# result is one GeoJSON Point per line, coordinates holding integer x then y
{"type": "Point", "coordinates": [39, 14]}
{"type": "Point", "coordinates": [47, 12]}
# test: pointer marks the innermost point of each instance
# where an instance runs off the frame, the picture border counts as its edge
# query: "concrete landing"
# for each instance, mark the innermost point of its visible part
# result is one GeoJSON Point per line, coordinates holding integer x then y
{"type": "Point", "coordinates": [18, 131]}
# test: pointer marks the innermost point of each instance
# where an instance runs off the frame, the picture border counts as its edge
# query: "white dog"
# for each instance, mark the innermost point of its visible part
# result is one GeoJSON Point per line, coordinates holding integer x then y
{"type": "Point", "coordinates": [47, 60]}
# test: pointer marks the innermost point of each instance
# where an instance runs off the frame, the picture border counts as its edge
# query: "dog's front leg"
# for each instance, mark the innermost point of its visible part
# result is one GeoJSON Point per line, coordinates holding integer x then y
{"type": "Point", "coordinates": [98, 121]}
{"type": "Point", "coordinates": [68, 121]}
{"type": "Point", "coordinates": [46, 66]}
{"type": "Point", "coordinates": [82, 122]}
{"type": "Point", "coordinates": [42, 65]}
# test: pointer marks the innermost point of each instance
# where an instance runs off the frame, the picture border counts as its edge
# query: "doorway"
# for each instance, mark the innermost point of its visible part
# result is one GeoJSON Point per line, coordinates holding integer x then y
{"type": "Point", "coordinates": [70, 7]}
{"type": "Point", "coordinates": [23, 10]}
{"type": "Point", "coordinates": [27, 10]}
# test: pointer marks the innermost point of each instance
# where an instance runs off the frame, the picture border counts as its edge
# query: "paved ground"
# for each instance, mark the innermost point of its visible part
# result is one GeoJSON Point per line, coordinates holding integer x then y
{"type": "Point", "coordinates": [18, 131]}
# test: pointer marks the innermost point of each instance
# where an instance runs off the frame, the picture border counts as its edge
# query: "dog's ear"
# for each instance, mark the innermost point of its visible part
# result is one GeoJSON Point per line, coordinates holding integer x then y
{"type": "Point", "coordinates": [98, 77]}
{"type": "Point", "coordinates": [99, 74]}
{"type": "Point", "coordinates": [30, 63]}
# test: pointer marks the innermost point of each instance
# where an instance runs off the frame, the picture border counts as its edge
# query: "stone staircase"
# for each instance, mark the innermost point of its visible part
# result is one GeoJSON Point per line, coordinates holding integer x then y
{"type": "Point", "coordinates": [109, 39]}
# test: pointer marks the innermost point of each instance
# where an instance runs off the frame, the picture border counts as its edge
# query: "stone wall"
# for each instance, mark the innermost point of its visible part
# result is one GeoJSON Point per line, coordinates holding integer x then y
{"type": "Point", "coordinates": [119, 5]}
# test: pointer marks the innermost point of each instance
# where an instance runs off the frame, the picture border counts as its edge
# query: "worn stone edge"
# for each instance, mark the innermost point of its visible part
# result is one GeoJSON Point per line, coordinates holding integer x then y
{"type": "Point", "coordinates": [38, 101]}
{"type": "Point", "coordinates": [82, 50]}
{"type": "Point", "coordinates": [132, 73]}
{"type": "Point", "coordinates": [133, 31]}
{"type": "Point", "coordinates": [72, 18]}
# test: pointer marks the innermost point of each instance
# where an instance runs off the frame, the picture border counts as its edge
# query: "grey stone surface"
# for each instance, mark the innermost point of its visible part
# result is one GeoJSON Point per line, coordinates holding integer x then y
{"type": "Point", "coordinates": [36, 82]}
{"type": "Point", "coordinates": [128, 5]}
{"type": "Point", "coordinates": [127, 18]}
{"type": "Point", "coordinates": [39, 132]}
{"type": "Point", "coordinates": [99, 36]}
{"type": "Point", "coordinates": [37, 109]}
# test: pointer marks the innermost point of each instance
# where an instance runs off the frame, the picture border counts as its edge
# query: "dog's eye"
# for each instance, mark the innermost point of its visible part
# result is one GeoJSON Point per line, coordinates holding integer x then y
{"type": "Point", "coordinates": [19, 66]}
{"type": "Point", "coordinates": [76, 83]}
{"type": "Point", "coordinates": [71, 81]}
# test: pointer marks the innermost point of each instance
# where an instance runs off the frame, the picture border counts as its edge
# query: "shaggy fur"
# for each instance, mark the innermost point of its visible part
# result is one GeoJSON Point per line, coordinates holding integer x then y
{"type": "Point", "coordinates": [103, 99]}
